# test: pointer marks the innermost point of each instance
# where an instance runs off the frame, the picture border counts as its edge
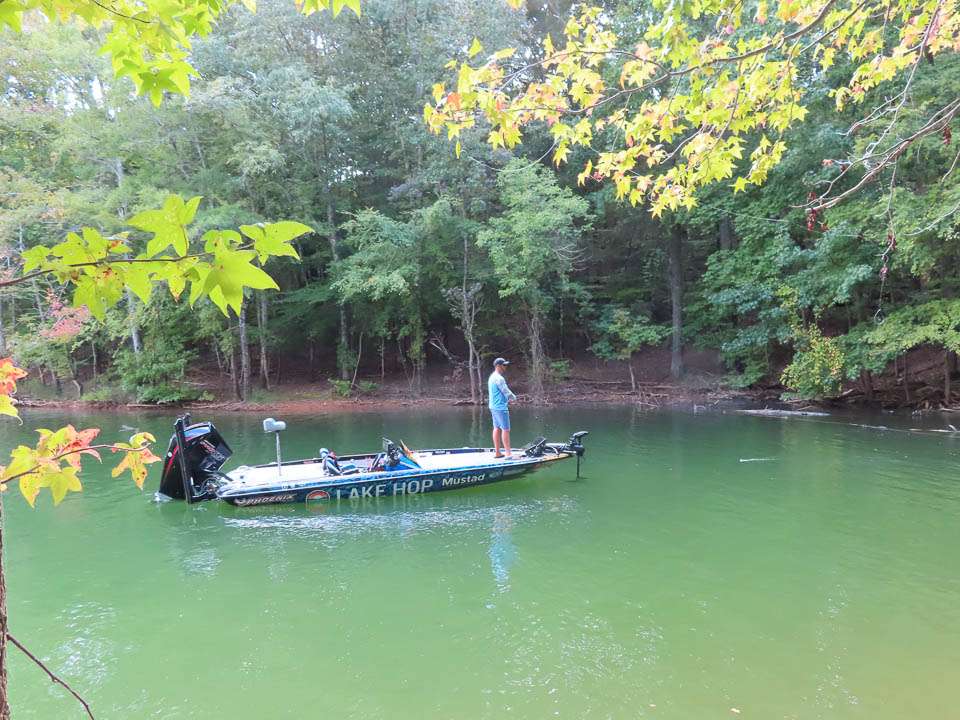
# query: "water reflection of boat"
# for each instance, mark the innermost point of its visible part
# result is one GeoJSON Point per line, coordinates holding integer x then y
{"type": "Point", "coordinates": [502, 551]}
{"type": "Point", "coordinates": [197, 452]}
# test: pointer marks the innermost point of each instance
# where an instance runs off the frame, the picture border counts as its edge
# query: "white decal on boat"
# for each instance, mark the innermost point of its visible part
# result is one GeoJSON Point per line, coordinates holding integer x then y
{"type": "Point", "coordinates": [455, 480]}
{"type": "Point", "coordinates": [265, 499]}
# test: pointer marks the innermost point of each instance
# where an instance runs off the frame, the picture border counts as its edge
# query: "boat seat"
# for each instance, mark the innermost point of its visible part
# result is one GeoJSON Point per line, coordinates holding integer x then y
{"type": "Point", "coordinates": [331, 466]}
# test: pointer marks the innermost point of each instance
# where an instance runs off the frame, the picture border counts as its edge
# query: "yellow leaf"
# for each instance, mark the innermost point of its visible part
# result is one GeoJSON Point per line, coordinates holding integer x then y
{"type": "Point", "coordinates": [475, 47]}
{"type": "Point", "coordinates": [62, 482]}
{"type": "Point", "coordinates": [8, 407]}
{"type": "Point", "coordinates": [30, 488]}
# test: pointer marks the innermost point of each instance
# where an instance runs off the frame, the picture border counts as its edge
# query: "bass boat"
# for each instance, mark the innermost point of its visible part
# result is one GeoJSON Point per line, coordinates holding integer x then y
{"type": "Point", "coordinates": [197, 453]}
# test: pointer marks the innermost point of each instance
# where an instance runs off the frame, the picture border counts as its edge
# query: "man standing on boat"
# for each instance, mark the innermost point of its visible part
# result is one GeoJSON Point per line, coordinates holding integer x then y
{"type": "Point", "coordinates": [500, 397]}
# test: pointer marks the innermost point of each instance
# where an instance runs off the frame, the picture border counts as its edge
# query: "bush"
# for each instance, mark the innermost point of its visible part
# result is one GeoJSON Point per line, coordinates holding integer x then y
{"type": "Point", "coordinates": [366, 387]}
{"type": "Point", "coordinates": [342, 388]}
{"type": "Point", "coordinates": [156, 376]}
{"type": "Point", "coordinates": [559, 370]}
{"type": "Point", "coordinates": [345, 389]}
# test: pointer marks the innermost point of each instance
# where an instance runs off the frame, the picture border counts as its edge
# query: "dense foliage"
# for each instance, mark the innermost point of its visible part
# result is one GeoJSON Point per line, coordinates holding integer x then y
{"type": "Point", "coordinates": [413, 252]}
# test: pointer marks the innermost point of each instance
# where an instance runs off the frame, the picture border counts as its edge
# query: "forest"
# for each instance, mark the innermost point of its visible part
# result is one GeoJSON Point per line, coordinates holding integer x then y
{"type": "Point", "coordinates": [428, 256]}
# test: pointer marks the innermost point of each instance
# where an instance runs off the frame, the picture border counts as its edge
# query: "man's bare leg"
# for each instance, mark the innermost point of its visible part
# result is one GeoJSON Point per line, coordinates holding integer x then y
{"type": "Point", "coordinates": [506, 441]}
{"type": "Point", "coordinates": [496, 442]}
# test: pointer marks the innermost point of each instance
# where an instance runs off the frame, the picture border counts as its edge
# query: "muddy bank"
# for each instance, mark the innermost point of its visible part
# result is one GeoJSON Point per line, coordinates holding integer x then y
{"type": "Point", "coordinates": [315, 398]}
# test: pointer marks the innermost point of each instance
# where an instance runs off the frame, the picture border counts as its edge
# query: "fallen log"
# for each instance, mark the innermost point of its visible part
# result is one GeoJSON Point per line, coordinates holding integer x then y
{"type": "Point", "coordinates": [766, 412]}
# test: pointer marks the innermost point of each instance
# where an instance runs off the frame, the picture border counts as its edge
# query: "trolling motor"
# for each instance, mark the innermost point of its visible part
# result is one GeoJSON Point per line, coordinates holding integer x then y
{"type": "Point", "coordinates": [195, 454]}
{"type": "Point", "coordinates": [575, 445]}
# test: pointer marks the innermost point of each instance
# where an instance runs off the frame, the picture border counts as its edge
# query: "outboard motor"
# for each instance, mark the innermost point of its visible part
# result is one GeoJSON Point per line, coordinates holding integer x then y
{"type": "Point", "coordinates": [194, 458]}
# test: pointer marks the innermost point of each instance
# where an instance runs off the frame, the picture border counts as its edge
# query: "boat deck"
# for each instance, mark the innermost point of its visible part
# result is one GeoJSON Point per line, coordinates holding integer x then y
{"type": "Point", "coordinates": [311, 471]}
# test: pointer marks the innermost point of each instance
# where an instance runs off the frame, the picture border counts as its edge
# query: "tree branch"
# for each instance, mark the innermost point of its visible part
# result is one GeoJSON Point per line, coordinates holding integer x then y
{"type": "Point", "coordinates": [52, 675]}
{"type": "Point", "coordinates": [106, 446]}
{"type": "Point", "coordinates": [937, 122]}
{"type": "Point", "coordinates": [118, 13]}
{"type": "Point", "coordinates": [118, 261]}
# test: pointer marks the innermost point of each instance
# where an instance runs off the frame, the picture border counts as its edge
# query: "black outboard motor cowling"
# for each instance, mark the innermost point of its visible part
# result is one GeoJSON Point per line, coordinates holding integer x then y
{"type": "Point", "coordinates": [194, 457]}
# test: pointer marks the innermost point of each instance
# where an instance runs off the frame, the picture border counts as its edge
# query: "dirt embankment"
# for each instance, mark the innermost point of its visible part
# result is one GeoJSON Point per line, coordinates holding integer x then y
{"type": "Point", "coordinates": [591, 382]}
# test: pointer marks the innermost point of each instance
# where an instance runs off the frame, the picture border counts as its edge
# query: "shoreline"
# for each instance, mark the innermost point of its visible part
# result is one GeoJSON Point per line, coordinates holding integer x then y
{"type": "Point", "coordinates": [660, 396]}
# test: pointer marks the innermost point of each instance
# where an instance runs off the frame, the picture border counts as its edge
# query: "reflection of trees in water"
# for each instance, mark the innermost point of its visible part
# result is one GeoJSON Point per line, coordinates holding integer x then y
{"type": "Point", "coordinates": [503, 553]}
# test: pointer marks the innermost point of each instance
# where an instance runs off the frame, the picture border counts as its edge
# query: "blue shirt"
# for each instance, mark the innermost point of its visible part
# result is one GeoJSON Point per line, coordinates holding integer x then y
{"type": "Point", "coordinates": [498, 392]}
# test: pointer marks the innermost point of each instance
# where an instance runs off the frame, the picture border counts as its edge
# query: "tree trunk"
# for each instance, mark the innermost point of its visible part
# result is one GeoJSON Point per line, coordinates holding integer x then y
{"type": "Point", "coordinates": [906, 380]}
{"type": "Point", "coordinates": [234, 374]}
{"type": "Point", "coordinates": [3, 334]}
{"type": "Point", "coordinates": [344, 345]}
{"type": "Point", "coordinates": [471, 370]}
{"type": "Point", "coordinates": [244, 351]}
{"type": "Point", "coordinates": [135, 341]}
{"type": "Point", "coordinates": [726, 234]}
{"type": "Point", "coordinates": [33, 282]}
{"type": "Point", "coordinates": [947, 372]}
{"type": "Point", "coordinates": [633, 378]}
{"type": "Point", "coordinates": [262, 328]}
{"type": "Point", "coordinates": [537, 364]}
{"type": "Point", "coordinates": [866, 381]}
{"type": "Point", "coordinates": [675, 268]}
{"type": "Point", "coordinates": [479, 370]}
{"type": "Point", "coordinates": [4, 704]}
{"type": "Point", "coordinates": [467, 320]}
{"type": "Point", "coordinates": [216, 354]}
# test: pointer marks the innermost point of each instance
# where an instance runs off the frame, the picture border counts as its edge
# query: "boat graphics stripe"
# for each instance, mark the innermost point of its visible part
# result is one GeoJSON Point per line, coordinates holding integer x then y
{"type": "Point", "coordinates": [367, 486]}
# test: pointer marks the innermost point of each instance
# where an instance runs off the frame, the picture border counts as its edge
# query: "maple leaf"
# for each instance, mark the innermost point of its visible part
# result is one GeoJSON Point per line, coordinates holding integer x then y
{"type": "Point", "coordinates": [62, 482]}
{"type": "Point", "coordinates": [167, 224]}
{"type": "Point", "coordinates": [230, 274]}
{"type": "Point", "coordinates": [273, 239]}
{"type": "Point", "coordinates": [9, 374]}
{"type": "Point", "coordinates": [137, 456]}
{"type": "Point", "coordinates": [78, 442]}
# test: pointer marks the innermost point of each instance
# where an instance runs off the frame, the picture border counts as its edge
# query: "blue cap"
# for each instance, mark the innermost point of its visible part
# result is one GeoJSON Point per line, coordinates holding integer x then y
{"type": "Point", "coordinates": [500, 361]}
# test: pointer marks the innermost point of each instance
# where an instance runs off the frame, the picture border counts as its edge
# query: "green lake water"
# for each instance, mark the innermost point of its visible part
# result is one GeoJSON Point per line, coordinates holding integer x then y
{"type": "Point", "coordinates": [819, 579]}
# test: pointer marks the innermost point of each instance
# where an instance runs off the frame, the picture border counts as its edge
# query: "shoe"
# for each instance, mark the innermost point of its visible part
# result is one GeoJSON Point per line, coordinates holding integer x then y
{"type": "Point", "coordinates": [497, 457]}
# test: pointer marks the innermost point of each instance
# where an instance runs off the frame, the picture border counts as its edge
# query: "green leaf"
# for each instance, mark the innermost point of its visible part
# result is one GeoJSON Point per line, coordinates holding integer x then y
{"type": "Point", "coordinates": [11, 13]}
{"type": "Point", "coordinates": [167, 224]}
{"type": "Point", "coordinates": [137, 278]}
{"type": "Point", "coordinates": [87, 294]}
{"type": "Point", "coordinates": [273, 239]}
{"type": "Point", "coordinates": [61, 482]}
{"type": "Point", "coordinates": [231, 272]}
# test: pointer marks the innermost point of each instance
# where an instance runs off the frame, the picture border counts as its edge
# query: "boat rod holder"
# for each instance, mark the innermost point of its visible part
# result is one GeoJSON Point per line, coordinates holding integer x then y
{"type": "Point", "coordinates": [276, 427]}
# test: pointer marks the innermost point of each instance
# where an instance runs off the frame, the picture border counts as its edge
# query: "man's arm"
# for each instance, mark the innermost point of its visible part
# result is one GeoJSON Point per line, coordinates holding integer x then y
{"type": "Point", "coordinates": [502, 382]}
